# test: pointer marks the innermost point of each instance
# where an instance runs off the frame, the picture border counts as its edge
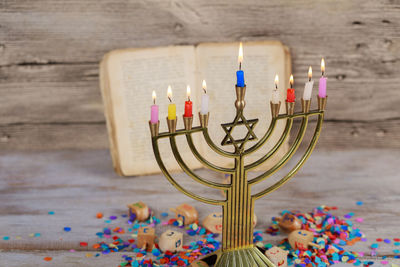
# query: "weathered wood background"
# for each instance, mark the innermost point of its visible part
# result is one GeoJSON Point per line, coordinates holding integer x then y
{"type": "Point", "coordinates": [50, 50]}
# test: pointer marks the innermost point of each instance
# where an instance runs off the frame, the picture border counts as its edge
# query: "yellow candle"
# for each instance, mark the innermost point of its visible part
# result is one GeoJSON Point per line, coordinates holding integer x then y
{"type": "Point", "coordinates": [171, 106]}
{"type": "Point", "coordinates": [172, 111]}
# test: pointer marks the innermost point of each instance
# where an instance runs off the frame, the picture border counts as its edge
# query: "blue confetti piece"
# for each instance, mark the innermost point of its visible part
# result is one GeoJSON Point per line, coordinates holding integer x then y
{"type": "Point", "coordinates": [36, 235]}
{"type": "Point", "coordinates": [67, 229]}
{"type": "Point", "coordinates": [164, 214]}
{"type": "Point", "coordinates": [107, 221]}
{"type": "Point", "coordinates": [6, 238]}
{"type": "Point", "coordinates": [51, 212]}
{"type": "Point", "coordinates": [359, 203]}
{"type": "Point", "coordinates": [375, 245]}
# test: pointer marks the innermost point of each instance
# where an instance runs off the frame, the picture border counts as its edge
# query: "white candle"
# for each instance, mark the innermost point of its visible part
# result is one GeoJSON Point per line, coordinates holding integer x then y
{"type": "Point", "coordinates": [204, 100]}
{"type": "Point", "coordinates": [308, 86]}
{"type": "Point", "coordinates": [275, 92]}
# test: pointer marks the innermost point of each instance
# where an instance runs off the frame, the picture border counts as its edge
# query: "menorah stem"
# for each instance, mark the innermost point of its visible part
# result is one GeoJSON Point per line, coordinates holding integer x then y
{"type": "Point", "coordinates": [238, 211]}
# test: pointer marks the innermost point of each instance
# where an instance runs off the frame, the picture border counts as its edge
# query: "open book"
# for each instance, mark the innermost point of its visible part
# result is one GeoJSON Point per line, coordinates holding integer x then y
{"type": "Point", "coordinates": [128, 77]}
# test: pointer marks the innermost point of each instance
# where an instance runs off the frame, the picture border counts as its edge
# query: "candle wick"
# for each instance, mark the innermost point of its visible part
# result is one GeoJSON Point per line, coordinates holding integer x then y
{"type": "Point", "coordinates": [240, 65]}
{"type": "Point", "coordinates": [323, 73]}
{"type": "Point", "coordinates": [169, 98]}
{"type": "Point", "coordinates": [205, 91]}
{"type": "Point", "coordinates": [188, 98]}
{"type": "Point", "coordinates": [309, 79]}
{"type": "Point", "coordinates": [276, 86]}
{"type": "Point", "coordinates": [154, 101]}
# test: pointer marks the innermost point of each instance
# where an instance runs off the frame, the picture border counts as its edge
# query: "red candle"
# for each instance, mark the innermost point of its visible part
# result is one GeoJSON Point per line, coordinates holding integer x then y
{"type": "Point", "coordinates": [188, 104]}
{"type": "Point", "coordinates": [290, 96]}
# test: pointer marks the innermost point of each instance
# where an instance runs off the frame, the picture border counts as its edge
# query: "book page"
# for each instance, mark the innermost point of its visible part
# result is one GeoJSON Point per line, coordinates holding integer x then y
{"type": "Point", "coordinates": [217, 64]}
{"type": "Point", "coordinates": [133, 74]}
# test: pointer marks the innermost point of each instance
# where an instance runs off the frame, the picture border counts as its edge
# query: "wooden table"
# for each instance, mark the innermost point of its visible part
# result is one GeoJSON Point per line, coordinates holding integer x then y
{"type": "Point", "coordinates": [78, 184]}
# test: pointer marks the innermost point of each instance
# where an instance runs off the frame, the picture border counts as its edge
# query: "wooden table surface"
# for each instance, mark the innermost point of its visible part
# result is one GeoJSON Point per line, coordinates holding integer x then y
{"type": "Point", "coordinates": [78, 184]}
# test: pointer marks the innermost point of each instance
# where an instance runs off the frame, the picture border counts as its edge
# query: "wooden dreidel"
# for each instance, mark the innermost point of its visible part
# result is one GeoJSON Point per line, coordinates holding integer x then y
{"type": "Point", "coordinates": [186, 214]}
{"type": "Point", "coordinates": [170, 240]}
{"type": "Point", "coordinates": [199, 264]}
{"type": "Point", "coordinates": [213, 222]}
{"type": "Point", "coordinates": [145, 238]}
{"type": "Point", "coordinates": [301, 239]}
{"type": "Point", "coordinates": [289, 222]}
{"type": "Point", "coordinates": [278, 256]}
{"type": "Point", "coordinates": [138, 211]}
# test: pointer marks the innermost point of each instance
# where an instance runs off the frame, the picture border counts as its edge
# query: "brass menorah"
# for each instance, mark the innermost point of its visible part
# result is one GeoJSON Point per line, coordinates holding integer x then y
{"type": "Point", "coordinates": [237, 248]}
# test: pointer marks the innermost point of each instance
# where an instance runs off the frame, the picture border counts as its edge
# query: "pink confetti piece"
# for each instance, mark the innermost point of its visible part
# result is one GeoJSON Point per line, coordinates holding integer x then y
{"type": "Point", "coordinates": [360, 220]}
{"type": "Point", "coordinates": [384, 262]}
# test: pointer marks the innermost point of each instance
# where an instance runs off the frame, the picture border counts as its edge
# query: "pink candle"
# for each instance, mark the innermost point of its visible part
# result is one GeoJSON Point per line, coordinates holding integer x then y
{"type": "Point", "coordinates": [322, 87]}
{"type": "Point", "coordinates": [322, 81]}
{"type": "Point", "coordinates": [154, 110]}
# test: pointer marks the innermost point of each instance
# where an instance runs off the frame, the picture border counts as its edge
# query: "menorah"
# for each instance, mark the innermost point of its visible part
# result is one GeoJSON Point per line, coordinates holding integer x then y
{"type": "Point", "coordinates": [237, 248]}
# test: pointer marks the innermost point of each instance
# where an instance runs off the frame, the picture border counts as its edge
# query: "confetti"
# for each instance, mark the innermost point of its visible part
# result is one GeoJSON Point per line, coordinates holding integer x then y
{"type": "Point", "coordinates": [67, 229]}
{"type": "Point", "coordinates": [359, 203]}
{"type": "Point", "coordinates": [6, 238]}
{"type": "Point", "coordinates": [330, 232]}
{"type": "Point", "coordinates": [99, 215]}
{"type": "Point", "coordinates": [113, 217]}
{"type": "Point", "coordinates": [387, 241]}
{"type": "Point", "coordinates": [51, 212]}
{"type": "Point", "coordinates": [83, 244]}
{"type": "Point", "coordinates": [47, 258]}
{"type": "Point", "coordinates": [375, 246]}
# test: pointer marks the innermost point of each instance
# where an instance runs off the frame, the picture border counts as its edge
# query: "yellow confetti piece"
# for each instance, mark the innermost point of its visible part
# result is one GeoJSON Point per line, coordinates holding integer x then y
{"type": "Point", "coordinates": [31, 235]}
{"type": "Point", "coordinates": [395, 265]}
{"type": "Point", "coordinates": [112, 245]}
{"type": "Point", "coordinates": [134, 235]}
{"type": "Point", "coordinates": [345, 258]}
{"type": "Point", "coordinates": [18, 237]}
{"type": "Point", "coordinates": [89, 255]}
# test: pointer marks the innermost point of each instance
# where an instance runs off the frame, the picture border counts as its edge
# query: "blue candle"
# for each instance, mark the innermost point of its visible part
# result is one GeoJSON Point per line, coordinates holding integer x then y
{"type": "Point", "coordinates": [240, 78]}
{"type": "Point", "coordinates": [240, 73]}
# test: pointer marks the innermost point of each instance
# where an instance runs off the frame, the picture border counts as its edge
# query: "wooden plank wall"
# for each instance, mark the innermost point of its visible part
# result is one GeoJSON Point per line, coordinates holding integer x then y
{"type": "Point", "coordinates": [50, 49]}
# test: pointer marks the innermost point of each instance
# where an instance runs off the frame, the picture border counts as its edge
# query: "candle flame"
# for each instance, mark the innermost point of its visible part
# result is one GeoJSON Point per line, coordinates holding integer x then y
{"type": "Point", "coordinates": [154, 96]}
{"type": "Point", "coordinates": [276, 81]}
{"type": "Point", "coordinates": [188, 92]}
{"type": "Point", "coordinates": [291, 81]}
{"type": "Point", "coordinates": [169, 93]}
{"type": "Point", "coordinates": [309, 73]}
{"type": "Point", "coordinates": [322, 66]}
{"type": "Point", "coordinates": [240, 57]}
{"type": "Point", "coordinates": [204, 85]}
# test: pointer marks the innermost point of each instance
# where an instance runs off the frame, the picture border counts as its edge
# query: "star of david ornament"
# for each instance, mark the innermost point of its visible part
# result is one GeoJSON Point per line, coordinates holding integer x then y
{"type": "Point", "coordinates": [228, 128]}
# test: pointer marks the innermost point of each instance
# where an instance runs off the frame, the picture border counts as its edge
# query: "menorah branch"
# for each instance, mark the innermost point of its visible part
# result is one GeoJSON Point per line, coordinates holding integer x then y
{"type": "Point", "coordinates": [189, 172]}
{"type": "Point", "coordinates": [264, 139]}
{"type": "Point", "coordinates": [287, 156]}
{"type": "Point", "coordinates": [205, 162]}
{"type": "Point", "coordinates": [174, 183]}
{"type": "Point", "coordinates": [285, 134]}
{"type": "Point", "coordinates": [214, 147]}
{"type": "Point", "coordinates": [300, 163]}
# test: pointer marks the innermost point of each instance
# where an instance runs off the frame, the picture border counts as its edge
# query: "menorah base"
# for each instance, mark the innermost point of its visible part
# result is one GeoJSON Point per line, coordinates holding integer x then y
{"type": "Point", "coordinates": [251, 256]}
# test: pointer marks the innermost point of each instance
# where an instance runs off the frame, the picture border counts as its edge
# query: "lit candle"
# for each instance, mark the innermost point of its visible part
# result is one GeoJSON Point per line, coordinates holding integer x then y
{"type": "Point", "coordinates": [171, 106]}
{"type": "Point", "coordinates": [275, 92]}
{"type": "Point", "coordinates": [188, 104]}
{"type": "Point", "coordinates": [204, 100]}
{"type": "Point", "coordinates": [240, 73]}
{"type": "Point", "coordinates": [322, 81]}
{"type": "Point", "coordinates": [309, 85]}
{"type": "Point", "coordinates": [290, 97]}
{"type": "Point", "coordinates": [154, 110]}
